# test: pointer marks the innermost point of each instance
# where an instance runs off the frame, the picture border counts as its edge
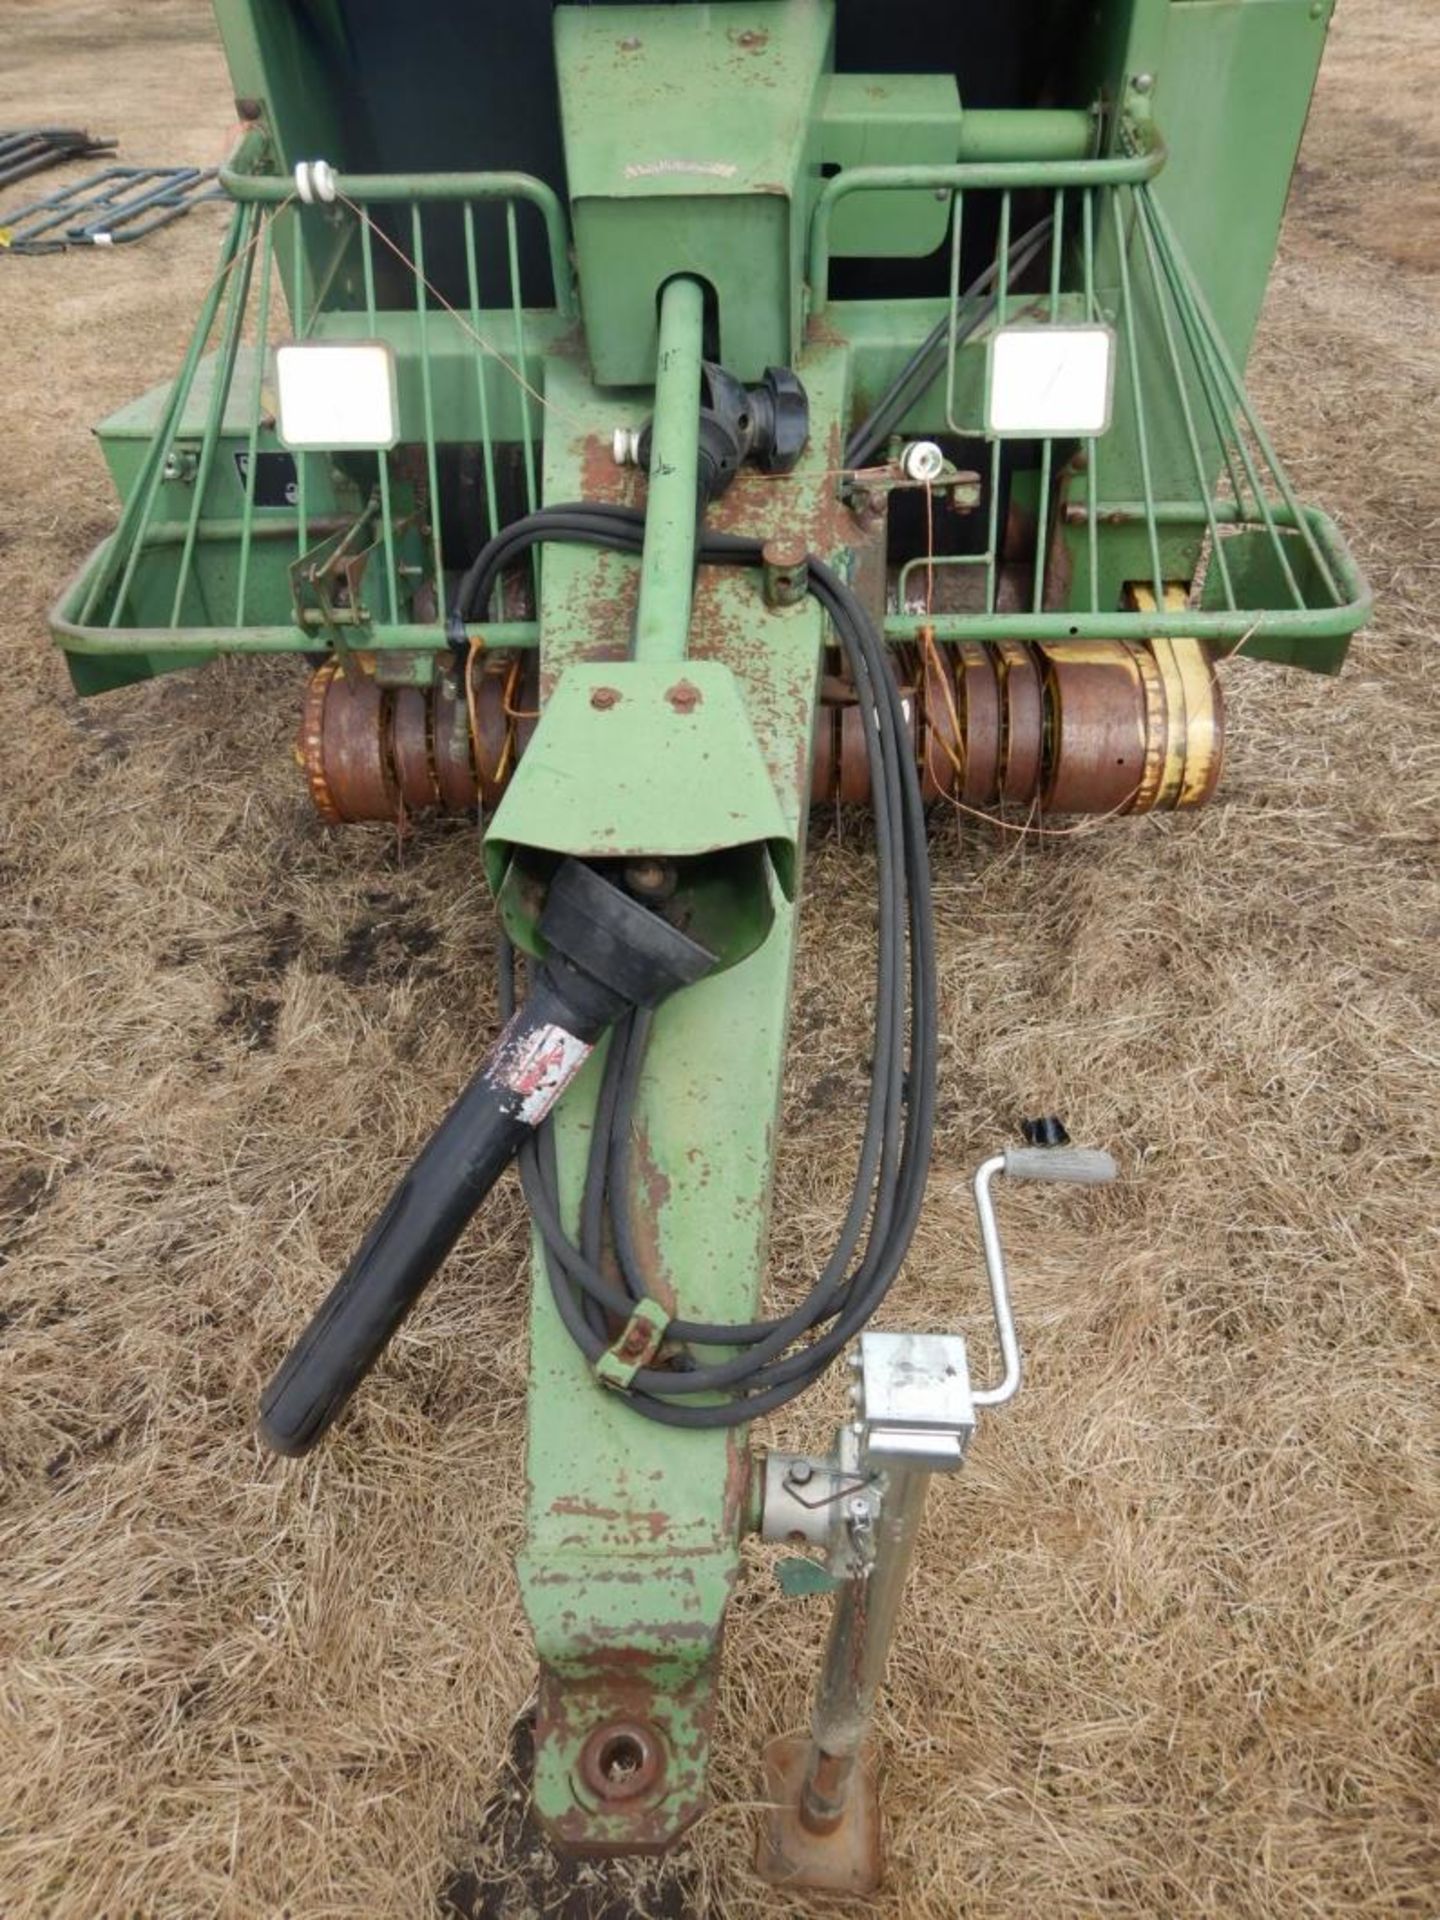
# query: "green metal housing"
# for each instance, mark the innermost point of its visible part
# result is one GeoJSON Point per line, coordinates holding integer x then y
{"type": "Point", "coordinates": [825, 216]}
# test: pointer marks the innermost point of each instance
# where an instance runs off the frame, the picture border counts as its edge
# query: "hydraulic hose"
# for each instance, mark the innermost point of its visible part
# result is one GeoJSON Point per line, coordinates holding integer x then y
{"type": "Point", "coordinates": [778, 1359]}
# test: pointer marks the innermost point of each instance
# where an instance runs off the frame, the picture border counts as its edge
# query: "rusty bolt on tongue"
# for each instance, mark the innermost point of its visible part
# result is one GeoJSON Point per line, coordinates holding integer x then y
{"type": "Point", "coordinates": [604, 697]}
{"type": "Point", "coordinates": [785, 574]}
{"type": "Point", "coordinates": [683, 697]}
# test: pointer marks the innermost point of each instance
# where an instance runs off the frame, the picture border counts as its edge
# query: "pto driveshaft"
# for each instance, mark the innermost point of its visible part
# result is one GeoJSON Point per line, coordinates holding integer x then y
{"type": "Point", "coordinates": [608, 954]}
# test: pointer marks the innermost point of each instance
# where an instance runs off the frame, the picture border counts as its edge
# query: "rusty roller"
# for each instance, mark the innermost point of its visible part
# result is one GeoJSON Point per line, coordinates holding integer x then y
{"type": "Point", "coordinates": [374, 753]}
{"type": "Point", "coordinates": [1079, 727]}
{"type": "Point", "coordinates": [1093, 727]}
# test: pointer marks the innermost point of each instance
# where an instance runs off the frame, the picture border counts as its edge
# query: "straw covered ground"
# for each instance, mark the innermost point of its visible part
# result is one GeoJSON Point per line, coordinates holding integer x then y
{"type": "Point", "coordinates": [1172, 1646]}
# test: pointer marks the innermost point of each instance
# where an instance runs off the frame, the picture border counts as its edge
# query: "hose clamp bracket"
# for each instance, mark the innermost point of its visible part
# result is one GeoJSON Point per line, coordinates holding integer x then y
{"type": "Point", "coordinates": [635, 1346]}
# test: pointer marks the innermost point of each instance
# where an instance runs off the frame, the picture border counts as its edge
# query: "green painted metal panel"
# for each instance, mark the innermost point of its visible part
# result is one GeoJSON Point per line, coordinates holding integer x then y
{"type": "Point", "coordinates": [1232, 96]}
{"type": "Point", "coordinates": [281, 57]}
{"type": "Point", "coordinates": [894, 118]}
{"type": "Point", "coordinates": [1232, 84]}
{"type": "Point", "coordinates": [689, 136]}
{"type": "Point", "coordinates": [634, 758]}
{"type": "Point", "coordinates": [704, 1139]}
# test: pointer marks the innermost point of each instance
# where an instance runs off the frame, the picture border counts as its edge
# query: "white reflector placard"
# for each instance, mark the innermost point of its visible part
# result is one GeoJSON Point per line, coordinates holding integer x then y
{"type": "Point", "coordinates": [336, 397]}
{"type": "Point", "coordinates": [1049, 381]}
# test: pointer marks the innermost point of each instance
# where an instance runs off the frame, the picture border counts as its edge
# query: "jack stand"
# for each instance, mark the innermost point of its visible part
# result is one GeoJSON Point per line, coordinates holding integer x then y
{"type": "Point", "coordinates": [914, 1416]}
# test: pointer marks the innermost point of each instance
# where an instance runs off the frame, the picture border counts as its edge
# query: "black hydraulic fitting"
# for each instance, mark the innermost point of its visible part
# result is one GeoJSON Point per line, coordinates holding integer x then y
{"type": "Point", "coordinates": [606, 954]}
{"type": "Point", "coordinates": [780, 409]}
{"type": "Point", "coordinates": [768, 424]}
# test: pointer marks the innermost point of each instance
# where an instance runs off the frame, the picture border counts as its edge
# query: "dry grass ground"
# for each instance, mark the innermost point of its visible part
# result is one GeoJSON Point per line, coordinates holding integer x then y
{"type": "Point", "coordinates": [1173, 1640]}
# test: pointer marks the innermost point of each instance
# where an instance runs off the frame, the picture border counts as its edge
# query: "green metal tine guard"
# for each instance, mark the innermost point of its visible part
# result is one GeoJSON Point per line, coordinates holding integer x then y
{"type": "Point", "coordinates": [650, 422]}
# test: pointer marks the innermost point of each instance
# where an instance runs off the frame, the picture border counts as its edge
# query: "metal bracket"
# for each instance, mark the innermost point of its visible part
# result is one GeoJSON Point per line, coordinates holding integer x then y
{"type": "Point", "coordinates": [339, 561]}
{"type": "Point", "coordinates": [915, 1401]}
{"type": "Point", "coordinates": [635, 1346]}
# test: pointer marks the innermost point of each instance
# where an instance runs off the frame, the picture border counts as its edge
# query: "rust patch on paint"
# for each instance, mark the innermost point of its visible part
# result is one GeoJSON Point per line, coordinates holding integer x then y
{"type": "Point", "coordinates": [647, 1202]}
{"type": "Point", "coordinates": [651, 1523]}
{"type": "Point", "coordinates": [739, 1482]}
{"type": "Point", "coordinates": [600, 477]}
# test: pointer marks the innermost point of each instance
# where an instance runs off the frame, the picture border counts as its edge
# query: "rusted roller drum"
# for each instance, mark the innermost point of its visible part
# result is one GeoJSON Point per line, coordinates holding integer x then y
{"type": "Point", "coordinates": [521, 709]}
{"type": "Point", "coordinates": [492, 732]}
{"type": "Point", "coordinates": [942, 732]}
{"type": "Point", "coordinates": [980, 707]}
{"type": "Point", "coordinates": [1195, 712]}
{"type": "Point", "coordinates": [1164, 736]}
{"type": "Point", "coordinates": [1096, 714]}
{"type": "Point", "coordinates": [354, 749]}
{"type": "Point", "coordinates": [840, 728]}
{"type": "Point", "coordinates": [1022, 721]}
{"type": "Point", "coordinates": [310, 743]}
{"type": "Point", "coordinates": [371, 752]}
{"type": "Point", "coordinates": [854, 783]}
{"type": "Point", "coordinates": [410, 749]}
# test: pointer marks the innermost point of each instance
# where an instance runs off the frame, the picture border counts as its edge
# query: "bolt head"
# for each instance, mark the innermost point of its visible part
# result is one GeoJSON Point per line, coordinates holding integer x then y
{"type": "Point", "coordinates": [604, 697]}
{"type": "Point", "coordinates": [1143, 82]}
{"type": "Point", "coordinates": [783, 551]}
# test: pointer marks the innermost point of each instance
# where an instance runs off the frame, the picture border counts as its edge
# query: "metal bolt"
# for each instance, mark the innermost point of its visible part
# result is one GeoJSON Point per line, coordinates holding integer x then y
{"type": "Point", "coordinates": [786, 576]}
{"type": "Point", "coordinates": [651, 879]}
{"type": "Point", "coordinates": [625, 446]}
{"type": "Point", "coordinates": [869, 506]}
{"type": "Point", "coordinates": [604, 697]}
{"type": "Point", "coordinates": [801, 1473]}
{"type": "Point", "coordinates": [751, 37]}
{"type": "Point", "coordinates": [1143, 82]}
{"type": "Point", "coordinates": [683, 697]}
{"type": "Point", "coordinates": [858, 1507]}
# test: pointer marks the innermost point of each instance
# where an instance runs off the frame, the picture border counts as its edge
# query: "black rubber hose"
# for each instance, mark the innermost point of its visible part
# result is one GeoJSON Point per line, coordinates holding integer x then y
{"type": "Point", "coordinates": [896, 1139]}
